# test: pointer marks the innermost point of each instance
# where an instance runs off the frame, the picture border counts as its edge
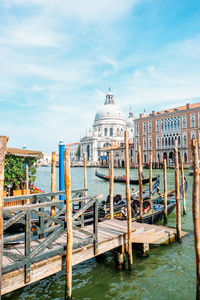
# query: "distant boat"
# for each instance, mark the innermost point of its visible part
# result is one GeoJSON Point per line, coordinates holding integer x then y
{"type": "Point", "coordinates": [122, 179]}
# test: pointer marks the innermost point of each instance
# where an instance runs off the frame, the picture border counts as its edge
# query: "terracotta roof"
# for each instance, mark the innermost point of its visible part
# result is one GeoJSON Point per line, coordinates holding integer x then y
{"type": "Point", "coordinates": [24, 152]}
{"type": "Point", "coordinates": [115, 147]}
{"type": "Point", "coordinates": [170, 110]}
{"type": "Point", "coordinates": [72, 144]}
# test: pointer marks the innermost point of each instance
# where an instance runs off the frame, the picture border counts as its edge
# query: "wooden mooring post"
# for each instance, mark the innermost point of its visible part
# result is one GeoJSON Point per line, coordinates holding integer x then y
{"type": "Point", "coordinates": [68, 219]}
{"type": "Point", "coordinates": [140, 183]}
{"type": "Point", "coordinates": [195, 213]}
{"type": "Point", "coordinates": [85, 173]}
{"type": "Point", "coordinates": [27, 201]}
{"type": "Point", "coordinates": [165, 189]}
{"type": "Point", "coordinates": [183, 186]}
{"type": "Point", "coordinates": [53, 183]}
{"type": "Point", "coordinates": [150, 175]}
{"type": "Point", "coordinates": [177, 193]}
{"type": "Point", "coordinates": [128, 201]}
{"type": "Point", "coordinates": [3, 143]}
{"type": "Point", "coordinates": [111, 183]}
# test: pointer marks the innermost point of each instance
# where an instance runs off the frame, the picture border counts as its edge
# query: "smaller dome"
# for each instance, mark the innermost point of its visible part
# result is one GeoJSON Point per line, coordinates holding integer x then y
{"type": "Point", "coordinates": [130, 122]}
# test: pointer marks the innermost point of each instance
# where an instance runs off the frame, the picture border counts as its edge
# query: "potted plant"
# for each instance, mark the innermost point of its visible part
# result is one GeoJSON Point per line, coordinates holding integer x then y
{"type": "Point", "coordinates": [15, 173]}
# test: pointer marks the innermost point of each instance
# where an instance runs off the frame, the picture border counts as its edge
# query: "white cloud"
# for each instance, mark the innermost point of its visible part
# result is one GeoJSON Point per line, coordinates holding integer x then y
{"type": "Point", "coordinates": [99, 11]}
{"type": "Point", "coordinates": [31, 35]}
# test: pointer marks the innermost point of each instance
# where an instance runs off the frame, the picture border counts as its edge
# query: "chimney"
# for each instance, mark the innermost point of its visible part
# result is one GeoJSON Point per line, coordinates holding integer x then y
{"type": "Point", "coordinates": [140, 116]}
{"type": "Point", "coordinates": [153, 112]}
{"type": "Point", "coordinates": [188, 105]}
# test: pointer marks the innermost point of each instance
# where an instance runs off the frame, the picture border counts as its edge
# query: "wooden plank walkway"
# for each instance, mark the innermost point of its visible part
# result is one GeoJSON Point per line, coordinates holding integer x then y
{"type": "Point", "coordinates": [111, 234]}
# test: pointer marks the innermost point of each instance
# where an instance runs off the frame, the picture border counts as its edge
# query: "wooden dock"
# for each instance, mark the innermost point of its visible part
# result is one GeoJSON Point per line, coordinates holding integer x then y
{"type": "Point", "coordinates": [111, 235]}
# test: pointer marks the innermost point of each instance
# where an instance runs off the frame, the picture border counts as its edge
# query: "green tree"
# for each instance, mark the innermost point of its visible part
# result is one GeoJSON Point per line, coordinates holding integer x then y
{"type": "Point", "coordinates": [78, 152]}
{"type": "Point", "coordinates": [15, 171]}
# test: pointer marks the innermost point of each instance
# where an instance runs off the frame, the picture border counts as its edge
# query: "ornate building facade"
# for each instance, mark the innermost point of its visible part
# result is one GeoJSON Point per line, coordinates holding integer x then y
{"type": "Point", "coordinates": [157, 131]}
{"type": "Point", "coordinates": [108, 129]}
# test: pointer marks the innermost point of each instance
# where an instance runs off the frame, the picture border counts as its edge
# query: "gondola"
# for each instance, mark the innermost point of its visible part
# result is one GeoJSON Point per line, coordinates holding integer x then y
{"type": "Point", "coordinates": [153, 210]}
{"type": "Point", "coordinates": [122, 179]}
{"type": "Point", "coordinates": [145, 193]}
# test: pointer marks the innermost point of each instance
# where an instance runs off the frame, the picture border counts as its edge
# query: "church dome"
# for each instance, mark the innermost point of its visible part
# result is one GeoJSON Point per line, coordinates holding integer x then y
{"type": "Point", "coordinates": [110, 110]}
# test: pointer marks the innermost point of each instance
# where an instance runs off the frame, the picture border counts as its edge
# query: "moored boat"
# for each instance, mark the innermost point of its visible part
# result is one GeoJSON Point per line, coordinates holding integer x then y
{"type": "Point", "coordinates": [122, 179]}
{"type": "Point", "coordinates": [153, 210]}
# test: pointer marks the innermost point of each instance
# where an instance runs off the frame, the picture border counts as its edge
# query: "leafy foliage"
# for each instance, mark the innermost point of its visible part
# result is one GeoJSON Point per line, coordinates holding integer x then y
{"type": "Point", "coordinates": [15, 170]}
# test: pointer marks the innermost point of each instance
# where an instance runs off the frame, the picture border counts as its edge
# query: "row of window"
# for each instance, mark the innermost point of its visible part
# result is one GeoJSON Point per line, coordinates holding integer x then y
{"type": "Point", "coordinates": [166, 141]}
{"type": "Point", "coordinates": [168, 124]}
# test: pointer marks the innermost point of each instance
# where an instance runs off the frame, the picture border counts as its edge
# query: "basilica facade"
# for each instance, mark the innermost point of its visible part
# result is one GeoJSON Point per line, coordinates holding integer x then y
{"type": "Point", "coordinates": [108, 129]}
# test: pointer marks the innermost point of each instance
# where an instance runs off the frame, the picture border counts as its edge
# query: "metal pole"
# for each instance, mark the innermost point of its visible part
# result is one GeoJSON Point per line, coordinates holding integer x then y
{"type": "Point", "coordinates": [68, 218]}
{"type": "Point", "coordinates": [3, 143]}
{"type": "Point", "coordinates": [61, 169]}
{"type": "Point", "coordinates": [128, 201]}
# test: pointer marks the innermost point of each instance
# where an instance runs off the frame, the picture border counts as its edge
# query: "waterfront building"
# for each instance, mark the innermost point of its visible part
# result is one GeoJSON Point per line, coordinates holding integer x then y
{"type": "Point", "coordinates": [74, 147]}
{"type": "Point", "coordinates": [157, 131]}
{"type": "Point", "coordinates": [108, 129]}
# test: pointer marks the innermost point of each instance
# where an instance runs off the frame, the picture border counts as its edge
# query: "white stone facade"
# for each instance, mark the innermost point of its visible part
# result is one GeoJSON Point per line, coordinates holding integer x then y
{"type": "Point", "coordinates": [108, 128]}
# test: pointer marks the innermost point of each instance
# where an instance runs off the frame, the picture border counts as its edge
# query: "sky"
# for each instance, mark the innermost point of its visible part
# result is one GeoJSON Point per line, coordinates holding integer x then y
{"type": "Point", "coordinates": [59, 57]}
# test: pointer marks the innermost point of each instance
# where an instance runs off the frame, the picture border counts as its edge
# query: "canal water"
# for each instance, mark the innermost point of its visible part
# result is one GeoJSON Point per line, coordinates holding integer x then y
{"type": "Point", "coordinates": [168, 272]}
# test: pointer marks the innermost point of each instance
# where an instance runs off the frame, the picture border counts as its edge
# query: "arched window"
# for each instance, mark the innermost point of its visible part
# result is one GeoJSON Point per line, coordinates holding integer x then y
{"type": "Point", "coordinates": [169, 140]}
{"type": "Point", "coordinates": [175, 124]}
{"type": "Point", "coordinates": [111, 131]}
{"type": "Point", "coordinates": [166, 141]}
{"type": "Point", "coordinates": [184, 141]}
{"type": "Point", "coordinates": [179, 125]}
{"type": "Point", "coordinates": [179, 140]}
{"type": "Point", "coordinates": [158, 143]}
{"type": "Point", "coordinates": [163, 142]}
{"type": "Point", "coordinates": [105, 131]}
{"type": "Point", "coordinates": [172, 124]}
{"type": "Point", "coordinates": [185, 157]}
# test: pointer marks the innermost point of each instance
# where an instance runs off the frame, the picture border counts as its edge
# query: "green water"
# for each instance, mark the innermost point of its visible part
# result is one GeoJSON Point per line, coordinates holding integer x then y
{"type": "Point", "coordinates": [167, 273]}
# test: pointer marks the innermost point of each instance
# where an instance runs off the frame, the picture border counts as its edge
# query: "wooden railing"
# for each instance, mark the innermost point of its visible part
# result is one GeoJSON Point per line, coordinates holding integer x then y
{"type": "Point", "coordinates": [37, 229]}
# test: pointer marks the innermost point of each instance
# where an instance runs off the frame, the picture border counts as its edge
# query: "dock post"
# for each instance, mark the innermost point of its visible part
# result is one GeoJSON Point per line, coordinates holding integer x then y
{"type": "Point", "coordinates": [177, 193]}
{"type": "Point", "coordinates": [140, 183]}
{"type": "Point", "coordinates": [61, 168]}
{"type": "Point", "coordinates": [130, 252]}
{"type": "Point", "coordinates": [183, 186]}
{"type": "Point", "coordinates": [195, 213]}
{"type": "Point", "coordinates": [27, 201]}
{"type": "Point", "coordinates": [119, 257]}
{"type": "Point", "coordinates": [85, 174]}
{"type": "Point", "coordinates": [150, 175]}
{"type": "Point", "coordinates": [165, 189]}
{"type": "Point", "coordinates": [53, 183]}
{"type": "Point", "coordinates": [3, 143]}
{"type": "Point", "coordinates": [111, 182]}
{"type": "Point", "coordinates": [68, 218]}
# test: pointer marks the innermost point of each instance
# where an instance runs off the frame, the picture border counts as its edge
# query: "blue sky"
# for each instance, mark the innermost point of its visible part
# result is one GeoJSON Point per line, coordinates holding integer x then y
{"type": "Point", "coordinates": [58, 59]}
